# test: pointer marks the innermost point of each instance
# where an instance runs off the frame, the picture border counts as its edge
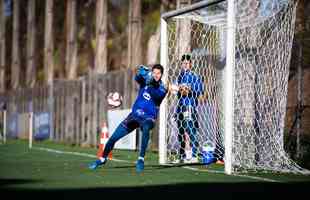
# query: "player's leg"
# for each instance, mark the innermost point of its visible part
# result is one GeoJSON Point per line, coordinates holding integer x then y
{"type": "Point", "coordinates": [123, 129]}
{"type": "Point", "coordinates": [146, 126]}
{"type": "Point", "coordinates": [192, 130]}
{"type": "Point", "coordinates": [119, 132]}
{"type": "Point", "coordinates": [181, 137]}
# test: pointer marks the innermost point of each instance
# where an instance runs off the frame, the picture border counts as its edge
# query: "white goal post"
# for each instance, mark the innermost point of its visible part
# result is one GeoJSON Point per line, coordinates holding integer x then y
{"type": "Point", "coordinates": [240, 54]}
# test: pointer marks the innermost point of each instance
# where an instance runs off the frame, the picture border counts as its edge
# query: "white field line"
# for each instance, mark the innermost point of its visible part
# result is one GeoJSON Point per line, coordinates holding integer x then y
{"type": "Point", "coordinates": [126, 161]}
{"type": "Point", "coordinates": [75, 153]}
{"type": "Point", "coordinates": [239, 175]}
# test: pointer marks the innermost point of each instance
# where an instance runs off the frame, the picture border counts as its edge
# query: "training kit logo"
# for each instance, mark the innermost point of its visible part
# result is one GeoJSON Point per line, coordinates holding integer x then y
{"type": "Point", "coordinates": [147, 96]}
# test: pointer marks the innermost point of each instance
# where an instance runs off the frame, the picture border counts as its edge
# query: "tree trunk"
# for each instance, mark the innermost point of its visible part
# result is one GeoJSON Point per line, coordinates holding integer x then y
{"type": "Point", "coordinates": [153, 44]}
{"type": "Point", "coordinates": [183, 35]}
{"type": "Point", "coordinates": [2, 47]}
{"type": "Point", "coordinates": [49, 43]}
{"type": "Point", "coordinates": [16, 48]}
{"type": "Point", "coordinates": [62, 52]}
{"type": "Point", "coordinates": [153, 47]}
{"type": "Point", "coordinates": [300, 29]}
{"type": "Point", "coordinates": [71, 47]}
{"type": "Point", "coordinates": [49, 61]}
{"type": "Point", "coordinates": [134, 34]}
{"type": "Point", "coordinates": [167, 5]}
{"type": "Point", "coordinates": [101, 36]}
{"type": "Point", "coordinates": [31, 42]}
{"type": "Point", "coordinates": [301, 17]}
{"type": "Point", "coordinates": [89, 36]}
{"type": "Point", "coordinates": [299, 99]}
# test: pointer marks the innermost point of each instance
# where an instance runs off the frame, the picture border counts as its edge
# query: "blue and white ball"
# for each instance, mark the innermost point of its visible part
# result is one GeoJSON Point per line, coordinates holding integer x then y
{"type": "Point", "coordinates": [208, 154]}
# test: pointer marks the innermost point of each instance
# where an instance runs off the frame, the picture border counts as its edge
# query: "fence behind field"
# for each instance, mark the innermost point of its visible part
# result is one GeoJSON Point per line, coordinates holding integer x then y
{"type": "Point", "coordinates": [76, 109]}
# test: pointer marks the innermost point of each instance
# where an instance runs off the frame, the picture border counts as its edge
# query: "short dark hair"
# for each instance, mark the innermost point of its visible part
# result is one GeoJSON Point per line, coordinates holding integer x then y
{"type": "Point", "coordinates": [158, 66]}
{"type": "Point", "coordinates": [186, 57]}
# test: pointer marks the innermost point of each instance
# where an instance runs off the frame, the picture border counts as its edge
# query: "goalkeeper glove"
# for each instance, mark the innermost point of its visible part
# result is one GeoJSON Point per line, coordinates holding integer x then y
{"type": "Point", "coordinates": [145, 72]}
{"type": "Point", "coordinates": [142, 70]}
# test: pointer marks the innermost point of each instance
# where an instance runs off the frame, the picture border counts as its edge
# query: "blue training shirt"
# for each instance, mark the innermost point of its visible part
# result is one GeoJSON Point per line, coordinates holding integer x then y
{"type": "Point", "coordinates": [194, 82]}
{"type": "Point", "coordinates": [149, 98]}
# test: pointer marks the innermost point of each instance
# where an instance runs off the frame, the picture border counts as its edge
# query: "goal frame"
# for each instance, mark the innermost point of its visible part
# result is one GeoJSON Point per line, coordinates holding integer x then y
{"type": "Point", "coordinates": [228, 84]}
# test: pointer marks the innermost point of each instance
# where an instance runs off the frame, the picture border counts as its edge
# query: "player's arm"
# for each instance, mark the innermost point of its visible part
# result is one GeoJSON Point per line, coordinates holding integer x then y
{"type": "Point", "coordinates": [158, 94]}
{"type": "Point", "coordinates": [172, 88]}
{"type": "Point", "coordinates": [185, 90]}
{"type": "Point", "coordinates": [177, 88]}
{"type": "Point", "coordinates": [199, 90]}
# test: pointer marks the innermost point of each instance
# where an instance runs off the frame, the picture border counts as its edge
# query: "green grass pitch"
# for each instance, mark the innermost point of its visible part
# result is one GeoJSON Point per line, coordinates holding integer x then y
{"type": "Point", "coordinates": [40, 171]}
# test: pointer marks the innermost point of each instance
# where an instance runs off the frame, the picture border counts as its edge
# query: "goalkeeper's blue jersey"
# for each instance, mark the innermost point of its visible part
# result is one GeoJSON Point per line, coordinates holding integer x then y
{"type": "Point", "coordinates": [194, 82]}
{"type": "Point", "coordinates": [149, 99]}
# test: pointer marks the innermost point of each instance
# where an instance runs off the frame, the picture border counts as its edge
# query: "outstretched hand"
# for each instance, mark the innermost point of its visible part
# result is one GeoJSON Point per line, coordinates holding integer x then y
{"type": "Point", "coordinates": [184, 90]}
{"type": "Point", "coordinates": [172, 88]}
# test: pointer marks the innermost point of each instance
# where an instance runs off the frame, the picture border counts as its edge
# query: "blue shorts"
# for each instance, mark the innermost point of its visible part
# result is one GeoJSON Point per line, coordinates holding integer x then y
{"type": "Point", "coordinates": [136, 119]}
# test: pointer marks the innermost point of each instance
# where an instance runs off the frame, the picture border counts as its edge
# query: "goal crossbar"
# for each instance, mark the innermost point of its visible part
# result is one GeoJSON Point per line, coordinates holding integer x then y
{"type": "Point", "coordinates": [196, 6]}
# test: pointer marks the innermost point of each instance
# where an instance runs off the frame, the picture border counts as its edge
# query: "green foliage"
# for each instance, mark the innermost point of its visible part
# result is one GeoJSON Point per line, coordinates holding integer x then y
{"type": "Point", "coordinates": [150, 5]}
{"type": "Point", "coordinates": [151, 22]}
{"type": "Point", "coordinates": [57, 64]}
{"type": "Point", "coordinates": [40, 75]}
{"type": "Point", "coordinates": [109, 44]}
{"type": "Point", "coordinates": [150, 2]}
{"type": "Point", "coordinates": [121, 21]}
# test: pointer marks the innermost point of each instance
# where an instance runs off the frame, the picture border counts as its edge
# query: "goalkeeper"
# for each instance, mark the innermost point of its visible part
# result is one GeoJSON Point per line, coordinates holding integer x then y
{"type": "Point", "coordinates": [143, 115]}
{"type": "Point", "coordinates": [189, 90]}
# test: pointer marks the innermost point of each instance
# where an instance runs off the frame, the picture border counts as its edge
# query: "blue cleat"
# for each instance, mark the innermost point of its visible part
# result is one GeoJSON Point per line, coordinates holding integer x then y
{"type": "Point", "coordinates": [94, 165]}
{"type": "Point", "coordinates": [140, 166]}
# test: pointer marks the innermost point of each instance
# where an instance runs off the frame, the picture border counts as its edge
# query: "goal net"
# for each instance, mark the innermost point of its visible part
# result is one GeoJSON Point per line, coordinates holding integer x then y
{"type": "Point", "coordinates": [254, 40]}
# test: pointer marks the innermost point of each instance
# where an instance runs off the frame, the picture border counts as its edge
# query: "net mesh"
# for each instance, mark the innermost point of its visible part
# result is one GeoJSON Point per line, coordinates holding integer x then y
{"type": "Point", "coordinates": [263, 39]}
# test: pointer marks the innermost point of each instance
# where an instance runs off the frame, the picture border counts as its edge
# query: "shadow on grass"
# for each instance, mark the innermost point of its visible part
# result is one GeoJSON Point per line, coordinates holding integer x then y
{"type": "Point", "coordinates": [159, 166]}
{"type": "Point", "coordinates": [250, 190]}
{"type": "Point", "coordinates": [10, 182]}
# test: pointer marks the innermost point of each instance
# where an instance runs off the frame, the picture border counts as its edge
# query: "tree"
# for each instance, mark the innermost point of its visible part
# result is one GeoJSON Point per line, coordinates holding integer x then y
{"type": "Point", "coordinates": [134, 34]}
{"type": "Point", "coordinates": [49, 59]}
{"type": "Point", "coordinates": [300, 29]}
{"type": "Point", "coordinates": [183, 35]}
{"type": "Point", "coordinates": [153, 44]}
{"type": "Point", "coordinates": [49, 43]}
{"type": "Point", "coordinates": [101, 36]}
{"type": "Point", "coordinates": [153, 47]}
{"type": "Point", "coordinates": [15, 72]}
{"type": "Point", "coordinates": [71, 45]}
{"type": "Point", "coordinates": [2, 47]}
{"type": "Point", "coordinates": [89, 16]}
{"type": "Point", "coordinates": [31, 41]}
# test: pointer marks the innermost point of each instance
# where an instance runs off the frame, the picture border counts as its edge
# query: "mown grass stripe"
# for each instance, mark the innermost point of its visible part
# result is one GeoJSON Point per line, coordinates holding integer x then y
{"type": "Point", "coordinates": [126, 161]}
